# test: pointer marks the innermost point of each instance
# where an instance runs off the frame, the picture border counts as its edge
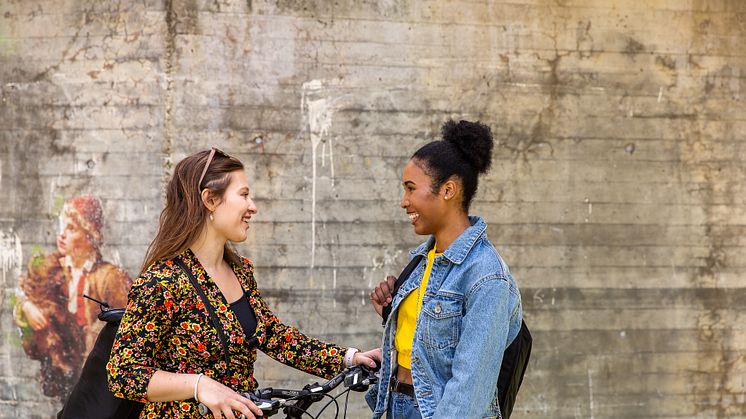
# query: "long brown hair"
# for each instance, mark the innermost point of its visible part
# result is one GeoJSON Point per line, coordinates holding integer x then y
{"type": "Point", "coordinates": [184, 215]}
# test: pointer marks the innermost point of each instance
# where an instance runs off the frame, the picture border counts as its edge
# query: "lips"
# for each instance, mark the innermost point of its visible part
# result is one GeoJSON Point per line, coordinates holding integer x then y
{"type": "Point", "coordinates": [413, 217]}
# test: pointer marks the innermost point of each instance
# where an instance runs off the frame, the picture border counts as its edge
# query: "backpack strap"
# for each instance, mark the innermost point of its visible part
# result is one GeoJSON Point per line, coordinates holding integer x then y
{"type": "Point", "coordinates": [403, 276]}
{"type": "Point", "coordinates": [210, 310]}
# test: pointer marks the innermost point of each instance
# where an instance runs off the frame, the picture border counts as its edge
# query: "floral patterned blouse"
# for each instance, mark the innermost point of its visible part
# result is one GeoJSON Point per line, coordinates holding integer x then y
{"type": "Point", "coordinates": [167, 327]}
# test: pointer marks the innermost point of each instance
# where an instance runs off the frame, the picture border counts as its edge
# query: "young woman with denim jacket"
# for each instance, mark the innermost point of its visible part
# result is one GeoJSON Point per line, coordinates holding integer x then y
{"type": "Point", "coordinates": [460, 308]}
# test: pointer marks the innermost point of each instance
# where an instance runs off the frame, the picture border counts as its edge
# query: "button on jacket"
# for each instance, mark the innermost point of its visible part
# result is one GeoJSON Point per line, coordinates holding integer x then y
{"type": "Point", "coordinates": [471, 312]}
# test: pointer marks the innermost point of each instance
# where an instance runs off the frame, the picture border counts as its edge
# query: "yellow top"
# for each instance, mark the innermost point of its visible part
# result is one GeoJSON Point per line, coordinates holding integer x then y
{"type": "Point", "coordinates": [406, 320]}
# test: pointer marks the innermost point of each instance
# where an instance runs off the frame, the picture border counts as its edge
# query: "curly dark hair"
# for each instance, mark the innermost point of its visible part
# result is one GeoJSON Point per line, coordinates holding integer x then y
{"type": "Point", "coordinates": [465, 152]}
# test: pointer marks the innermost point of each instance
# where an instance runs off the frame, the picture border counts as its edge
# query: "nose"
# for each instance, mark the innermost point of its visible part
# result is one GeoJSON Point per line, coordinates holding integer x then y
{"type": "Point", "coordinates": [252, 207]}
{"type": "Point", "coordinates": [404, 203]}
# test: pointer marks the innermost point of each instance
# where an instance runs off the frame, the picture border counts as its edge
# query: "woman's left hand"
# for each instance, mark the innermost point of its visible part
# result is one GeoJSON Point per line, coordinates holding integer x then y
{"type": "Point", "coordinates": [369, 358]}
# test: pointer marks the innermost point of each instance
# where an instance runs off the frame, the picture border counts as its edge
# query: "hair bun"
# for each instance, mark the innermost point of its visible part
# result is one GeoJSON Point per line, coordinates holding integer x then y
{"type": "Point", "coordinates": [473, 140]}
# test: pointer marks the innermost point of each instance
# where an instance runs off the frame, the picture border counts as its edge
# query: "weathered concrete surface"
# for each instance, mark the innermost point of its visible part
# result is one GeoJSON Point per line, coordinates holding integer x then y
{"type": "Point", "coordinates": [617, 194]}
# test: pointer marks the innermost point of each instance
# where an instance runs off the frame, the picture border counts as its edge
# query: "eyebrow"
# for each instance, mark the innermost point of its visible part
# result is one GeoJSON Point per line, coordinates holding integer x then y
{"type": "Point", "coordinates": [408, 183]}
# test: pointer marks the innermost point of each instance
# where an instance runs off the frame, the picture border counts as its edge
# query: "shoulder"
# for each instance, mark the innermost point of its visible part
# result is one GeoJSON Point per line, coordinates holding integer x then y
{"type": "Point", "coordinates": [484, 266]}
{"type": "Point", "coordinates": [109, 271]}
{"type": "Point", "coordinates": [164, 274]}
{"type": "Point", "coordinates": [246, 264]}
{"type": "Point", "coordinates": [485, 258]}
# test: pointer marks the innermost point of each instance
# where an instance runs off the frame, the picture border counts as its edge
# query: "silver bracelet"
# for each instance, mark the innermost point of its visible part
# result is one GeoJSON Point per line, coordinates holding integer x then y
{"type": "Point", "coordinates": [196, 384]}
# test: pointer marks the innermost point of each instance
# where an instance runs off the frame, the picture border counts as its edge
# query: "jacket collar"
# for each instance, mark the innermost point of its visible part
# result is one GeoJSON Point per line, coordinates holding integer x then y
{"type": "Point", "coordinates": [460, 248]}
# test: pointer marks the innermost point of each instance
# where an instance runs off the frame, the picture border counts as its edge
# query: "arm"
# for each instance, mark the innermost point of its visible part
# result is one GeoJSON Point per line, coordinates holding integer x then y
{"type": "Point", "coordinates": [288, 345]}
{"type": "Point", "coordinates": [26, 313]}
{"type": "Point", "coordinates": [115, 287]}
{"type": "Point", "coordinates": [131, 365]}
{"type": "Point", "coordinates": [490, 306]}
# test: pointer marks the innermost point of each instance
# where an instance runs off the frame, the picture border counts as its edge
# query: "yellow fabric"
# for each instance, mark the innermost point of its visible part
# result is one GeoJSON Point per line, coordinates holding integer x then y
{"type": "Point", "coordinates": [406, 319]}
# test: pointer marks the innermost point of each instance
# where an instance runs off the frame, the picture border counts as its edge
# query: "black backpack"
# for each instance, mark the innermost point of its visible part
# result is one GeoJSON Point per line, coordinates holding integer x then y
{"type": "Point", "coordinates": [515, 357]}
{"type": "Point", "coordinates": [91, 397]}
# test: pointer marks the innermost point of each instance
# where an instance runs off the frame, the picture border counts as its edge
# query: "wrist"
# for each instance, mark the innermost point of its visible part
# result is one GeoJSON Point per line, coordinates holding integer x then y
{"type": "Point", "coordinates": [349, 356]}
{"type": "Point", "coordinates": [196, 387]}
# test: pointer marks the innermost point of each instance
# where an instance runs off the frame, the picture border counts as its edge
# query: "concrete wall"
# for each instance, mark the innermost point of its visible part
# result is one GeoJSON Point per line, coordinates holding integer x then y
{"type": "Point", "coordinates": [617, 193]}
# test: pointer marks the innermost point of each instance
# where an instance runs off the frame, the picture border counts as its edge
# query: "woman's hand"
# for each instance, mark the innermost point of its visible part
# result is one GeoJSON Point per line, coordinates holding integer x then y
{"type": "Point", "coordinates": [381, 296]}
{"type": "Point", "coordinates": [35, 318]}
{"type": "Point", "coordinates": [369, 358]}
{"type": "Point", "coordinates": [222, 401]}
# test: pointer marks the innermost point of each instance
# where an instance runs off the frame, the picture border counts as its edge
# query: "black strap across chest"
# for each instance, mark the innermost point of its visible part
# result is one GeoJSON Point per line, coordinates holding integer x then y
{"type": "Point", "coordinates": [210, 310]}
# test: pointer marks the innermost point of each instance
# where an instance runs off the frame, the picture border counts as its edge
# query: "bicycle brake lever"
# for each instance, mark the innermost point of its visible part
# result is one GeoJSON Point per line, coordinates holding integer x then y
{"type": "Point", "coordinates": [360, 378]}
{"type": "Point", "coordinates": [268, 406]}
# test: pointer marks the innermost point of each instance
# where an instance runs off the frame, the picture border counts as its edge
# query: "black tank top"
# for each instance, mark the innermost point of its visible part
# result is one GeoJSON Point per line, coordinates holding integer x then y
{"type": "Point", "coordinates": [245, 314]}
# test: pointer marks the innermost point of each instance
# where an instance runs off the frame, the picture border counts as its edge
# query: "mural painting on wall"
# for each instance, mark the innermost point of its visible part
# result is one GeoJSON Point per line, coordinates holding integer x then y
{"type": "Point", "coordinates": [58, 325]}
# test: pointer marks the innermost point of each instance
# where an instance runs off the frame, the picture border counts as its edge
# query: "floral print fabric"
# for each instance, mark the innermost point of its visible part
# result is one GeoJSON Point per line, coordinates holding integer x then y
{"type": "Point", "coordinates": [167, 327]}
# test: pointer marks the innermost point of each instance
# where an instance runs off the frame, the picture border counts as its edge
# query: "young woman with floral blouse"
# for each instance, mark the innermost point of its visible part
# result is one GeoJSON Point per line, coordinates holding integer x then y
{"type": "Point", "coordinates": [167, 353]}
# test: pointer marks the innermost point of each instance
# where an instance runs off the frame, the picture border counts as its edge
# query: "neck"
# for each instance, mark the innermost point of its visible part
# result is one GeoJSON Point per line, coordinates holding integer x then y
{"type": "Point", "coordinates": [78, 260]}
{"type": "Point", "coordinates": [208, 249]}
{"type": "Point", "coordinates": [450, 232]}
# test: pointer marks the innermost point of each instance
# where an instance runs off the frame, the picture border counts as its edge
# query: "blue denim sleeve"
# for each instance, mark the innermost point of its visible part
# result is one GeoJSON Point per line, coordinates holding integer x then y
{"type": "Point", "coordinates": [491, 306]}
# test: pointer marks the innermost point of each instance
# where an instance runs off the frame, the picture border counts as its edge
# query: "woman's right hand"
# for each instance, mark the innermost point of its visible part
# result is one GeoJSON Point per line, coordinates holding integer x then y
{"type": "Point", "coordinates": [223, 402]}
{"type": "Point", "coordinates": [34, 316]}
{"type": "Point", "coordinates": [381, 296]}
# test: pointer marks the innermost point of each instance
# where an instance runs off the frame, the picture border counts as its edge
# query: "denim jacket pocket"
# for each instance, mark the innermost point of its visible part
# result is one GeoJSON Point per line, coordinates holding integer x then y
{"type": "Point", "coordinates": [441, 321]}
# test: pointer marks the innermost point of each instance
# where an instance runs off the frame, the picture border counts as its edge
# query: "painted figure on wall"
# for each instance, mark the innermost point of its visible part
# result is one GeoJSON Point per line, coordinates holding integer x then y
{"type": "Point", "coordinates": [58, 324]}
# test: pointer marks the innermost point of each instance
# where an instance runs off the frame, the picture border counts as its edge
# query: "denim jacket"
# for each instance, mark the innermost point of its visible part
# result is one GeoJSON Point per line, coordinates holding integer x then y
{"type": "Point", "coordinates": [471, 311]}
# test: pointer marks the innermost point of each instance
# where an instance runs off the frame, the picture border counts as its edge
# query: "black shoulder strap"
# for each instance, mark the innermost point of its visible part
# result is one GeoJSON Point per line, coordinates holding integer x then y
{"type": "Point", "coordinates": [210, 310]}
{"type": "Point", "coordinates": [403, 276]}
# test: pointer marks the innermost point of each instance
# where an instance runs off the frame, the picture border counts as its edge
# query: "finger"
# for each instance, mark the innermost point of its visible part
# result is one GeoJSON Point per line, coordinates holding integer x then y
{"type": "Point", "coordinates": [384, 286]}
{"type": "Point", "coordinates": [242, 412]}
{"type": "Point", "coordinates": [250, 408]}
{"type": "Point", "coordinates": [228, 413]}
{"type": "Point", "coordinates": [381, 297]}
{"type": "Point", "coordinates": [373, 297]}
{"type": "Point", "coordinates": [391, 280]}
{"type": "Point", "coordinates": [368, 361]}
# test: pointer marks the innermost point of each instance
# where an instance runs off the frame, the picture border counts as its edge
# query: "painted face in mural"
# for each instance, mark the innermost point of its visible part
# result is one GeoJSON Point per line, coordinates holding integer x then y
{"type": "Point", "coordinates": [73, 240]}
{"type": "Point", "coordinates": [232, 215]}
{"type": "Point", "coordinates": [424, 208]}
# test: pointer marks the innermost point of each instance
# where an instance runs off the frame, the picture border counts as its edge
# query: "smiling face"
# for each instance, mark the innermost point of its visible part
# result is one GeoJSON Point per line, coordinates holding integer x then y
{"type": "Point", "coordinates": [426, 210]}
{"type": "Point", "coordinates": [231, 216]}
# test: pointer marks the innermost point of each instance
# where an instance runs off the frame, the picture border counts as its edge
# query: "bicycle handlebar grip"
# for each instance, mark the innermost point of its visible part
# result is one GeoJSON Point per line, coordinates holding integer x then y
{"type": "Point", "coordinates": [268, 407]}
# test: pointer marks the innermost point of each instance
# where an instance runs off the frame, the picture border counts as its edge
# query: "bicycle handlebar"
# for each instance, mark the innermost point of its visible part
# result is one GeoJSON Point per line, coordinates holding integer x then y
{"type": "Point", "coordinates": [357, 378]}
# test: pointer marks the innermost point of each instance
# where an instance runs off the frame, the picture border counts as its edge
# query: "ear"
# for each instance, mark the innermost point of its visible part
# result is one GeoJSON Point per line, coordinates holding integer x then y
{"type": "Point", "coordinates": [450, 189]}
{"type": "Point", "coordinates": [209, 200]}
